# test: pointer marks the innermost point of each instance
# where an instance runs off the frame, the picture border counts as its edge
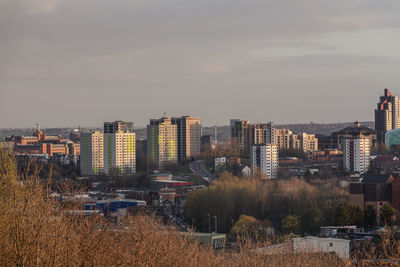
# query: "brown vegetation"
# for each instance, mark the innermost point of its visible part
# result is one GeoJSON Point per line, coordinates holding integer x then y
{"type": "Point", "coordinates": [230, 197]}
{"type": "Point", "coordinates": [36, 231]}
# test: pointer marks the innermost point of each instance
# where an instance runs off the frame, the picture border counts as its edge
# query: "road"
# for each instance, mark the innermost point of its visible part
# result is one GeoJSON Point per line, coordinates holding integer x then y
{"type": "Point", "coordinates": [197, 167]}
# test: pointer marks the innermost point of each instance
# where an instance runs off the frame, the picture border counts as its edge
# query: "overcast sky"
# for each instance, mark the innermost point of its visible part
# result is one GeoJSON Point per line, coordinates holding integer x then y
{"type": "Point", "coordinates": [82, 62]}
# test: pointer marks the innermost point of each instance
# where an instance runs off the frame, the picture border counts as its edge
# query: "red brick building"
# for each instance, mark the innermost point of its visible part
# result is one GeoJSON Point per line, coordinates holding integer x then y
{"type": "Point", "coordinates": [40, 143]}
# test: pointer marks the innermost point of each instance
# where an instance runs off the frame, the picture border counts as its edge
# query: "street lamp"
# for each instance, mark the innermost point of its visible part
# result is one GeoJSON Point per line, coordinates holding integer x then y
{"type": "Point", "coordinates": [216, 228]}
{"type": "Point", "coordinates": [209, 223]}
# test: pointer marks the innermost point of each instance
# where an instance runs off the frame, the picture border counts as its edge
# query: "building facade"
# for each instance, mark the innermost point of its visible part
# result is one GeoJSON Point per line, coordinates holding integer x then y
{"type": "Point", "coordinates": [240, 135]}
{"type": "Point", "coordinates": [118, 126]}
{"type": "Point", "coordinates": [356, 155]}
{"type": "Point", "coordinates": [355, 131]}
{"type": "Point", "coordinates": [308, 142]}
{"type": "Point", "coordinates": [162, 142]}
{"type": "Point", "coordinates": [206, 143]}
{"type": "Point", "coordinates": [189, 133]}
{"type": "Point", "coordinates": [265, 160]}
{"type": "Point", "coordinates": [392, 138]}
{"type": "Point", "coordinates": [245, 134]}
{"type": "Point", "coordinates": [262, 133]}
{"type": "Point", "coordinates": [376, 190]}
{"type": "Point", "coordinates": [120, 153]}
{"type": "Point", "coordinates": [92, 153]}
{"type": "Point", "coordinates": [387, 115]}
{"type": "Point", "coordinates": [285, 139]}
{"type": "Point", "coordinates": [41, 143]}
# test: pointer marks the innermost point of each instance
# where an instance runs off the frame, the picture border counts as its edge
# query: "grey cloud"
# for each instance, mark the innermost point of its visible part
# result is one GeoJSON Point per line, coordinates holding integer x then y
{"type": "Point", "coordinates": [215, 59]}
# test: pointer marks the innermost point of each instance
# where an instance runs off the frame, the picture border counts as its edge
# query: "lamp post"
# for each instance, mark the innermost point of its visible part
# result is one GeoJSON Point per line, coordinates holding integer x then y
{"type": "Point", "coordinates": [209, 223]}
{"type": "Point", "coordinates": [216, 228]}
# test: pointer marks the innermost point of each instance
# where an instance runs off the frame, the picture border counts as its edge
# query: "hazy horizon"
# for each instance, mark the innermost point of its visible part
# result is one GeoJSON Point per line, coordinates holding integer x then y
{"type": "Point", "coordinates": [83, 62]}
{"type": "Point", "coordinates": [139, 127]}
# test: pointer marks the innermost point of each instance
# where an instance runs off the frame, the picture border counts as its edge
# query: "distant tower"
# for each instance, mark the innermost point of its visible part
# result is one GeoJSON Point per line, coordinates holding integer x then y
{"type": "Point", "coordinates": [356, 154]}
{"type": "Point", "coordinates": [92, 153]}
{"type": "Point", "coordinates": [387, 115]}
{"type": "Point", "coordinates": [162, 142]}
{"type": "Point", "coordinates": [264, 159]}
{"type": "Point", "coordinates": [120, 153]}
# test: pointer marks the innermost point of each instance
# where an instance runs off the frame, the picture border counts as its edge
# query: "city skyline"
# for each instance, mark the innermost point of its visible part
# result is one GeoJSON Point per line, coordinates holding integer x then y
{"type": "Point", "coordinates": [143, 127]}
{"type": "Point", "coordinates": [75, 63]}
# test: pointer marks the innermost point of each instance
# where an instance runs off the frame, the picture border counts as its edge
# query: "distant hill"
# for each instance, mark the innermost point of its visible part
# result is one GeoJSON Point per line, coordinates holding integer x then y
{"type": "Point", "coordinates": [322, 128]}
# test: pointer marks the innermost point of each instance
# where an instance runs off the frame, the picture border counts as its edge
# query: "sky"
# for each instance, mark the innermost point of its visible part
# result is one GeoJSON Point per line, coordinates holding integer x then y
{"type": "Point", "coordinates": [65, 63]}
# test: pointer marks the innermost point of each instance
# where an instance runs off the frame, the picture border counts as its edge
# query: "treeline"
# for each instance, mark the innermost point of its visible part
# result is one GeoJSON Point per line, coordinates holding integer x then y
{"type": "Point", "coordinates": [311, 205]}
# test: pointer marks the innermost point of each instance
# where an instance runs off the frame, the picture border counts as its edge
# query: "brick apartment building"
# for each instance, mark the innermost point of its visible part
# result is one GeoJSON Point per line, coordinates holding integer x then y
{"type": "Point", "coordinates": [376, 190]}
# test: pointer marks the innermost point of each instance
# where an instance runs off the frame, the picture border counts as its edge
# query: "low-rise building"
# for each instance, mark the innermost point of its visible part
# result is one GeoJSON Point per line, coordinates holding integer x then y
{"type": "Point", "coordinates": [246, 172]}
{"type": "Point", "coordinates": [385, 163]}
{"type": "Point", "coordinates": [310, 244]}
{"type": "Point", "coordinates": [220, 163]}
{"type": "Point", "coordinates": [376, 190]}
{"type": "Point", "coordinates": [313, 244]}
{"type": "Point", "coordinates": [217, 241]}
{"type": "Point", "coordinates": [334, 231]}
{"type": "Point", "coordinates": [40, 143]}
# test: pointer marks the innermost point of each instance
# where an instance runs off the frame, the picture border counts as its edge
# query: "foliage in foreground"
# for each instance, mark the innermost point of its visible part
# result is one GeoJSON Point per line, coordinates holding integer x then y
{"type": "Point", "coordinates": [37, 231]}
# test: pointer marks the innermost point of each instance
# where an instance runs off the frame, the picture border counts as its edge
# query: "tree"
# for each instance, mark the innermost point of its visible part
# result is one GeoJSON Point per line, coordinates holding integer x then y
{"type": "Point", "coordinates": [311, 220]}
{"type": "Point", "coordinates": [369, 216]}
{"type": "Point", "coordinates": [290, 224]}
{"type": "Point", "coordinates": [387, 213]}
{"type": "Point", "coordinates": [248, 227]}
{"type": "Point", "coordinates": [347, 214]}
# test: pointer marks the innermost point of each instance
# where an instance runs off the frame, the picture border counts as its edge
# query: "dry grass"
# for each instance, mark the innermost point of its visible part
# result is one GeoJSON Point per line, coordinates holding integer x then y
{"type": "Point", "coordinates": [36, 231]}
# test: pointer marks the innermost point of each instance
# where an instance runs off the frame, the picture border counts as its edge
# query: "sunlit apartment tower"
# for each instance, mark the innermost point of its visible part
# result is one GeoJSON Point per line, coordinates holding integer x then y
{"type": "Point", "coordinates": [308, 142]}
{"type": "Point", "coordinates": [387, 115]}
{"type": "Point", "coordinates": [240, 134]}
{"type": "Point", "coordinates": [119, 153]}
{"type": "Point", "coordinates": [262, 133]}
{"type": "Point", "coordinates": [189, 133]}
{"type": "Point", "coordinates": [246, 135]}
{"type": "Point", "coordinates": [92, 153]}
{"type": "Point", "coordinates": [356, 154]}
{"type": "Point", "coordinates": [264, 160]}
{"type": "Point", "coordinates": [162, 142]}
{"type": "Point", "coordinates": [285, 139]}
{"type": "Point", "coordinates": [118, 126]}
